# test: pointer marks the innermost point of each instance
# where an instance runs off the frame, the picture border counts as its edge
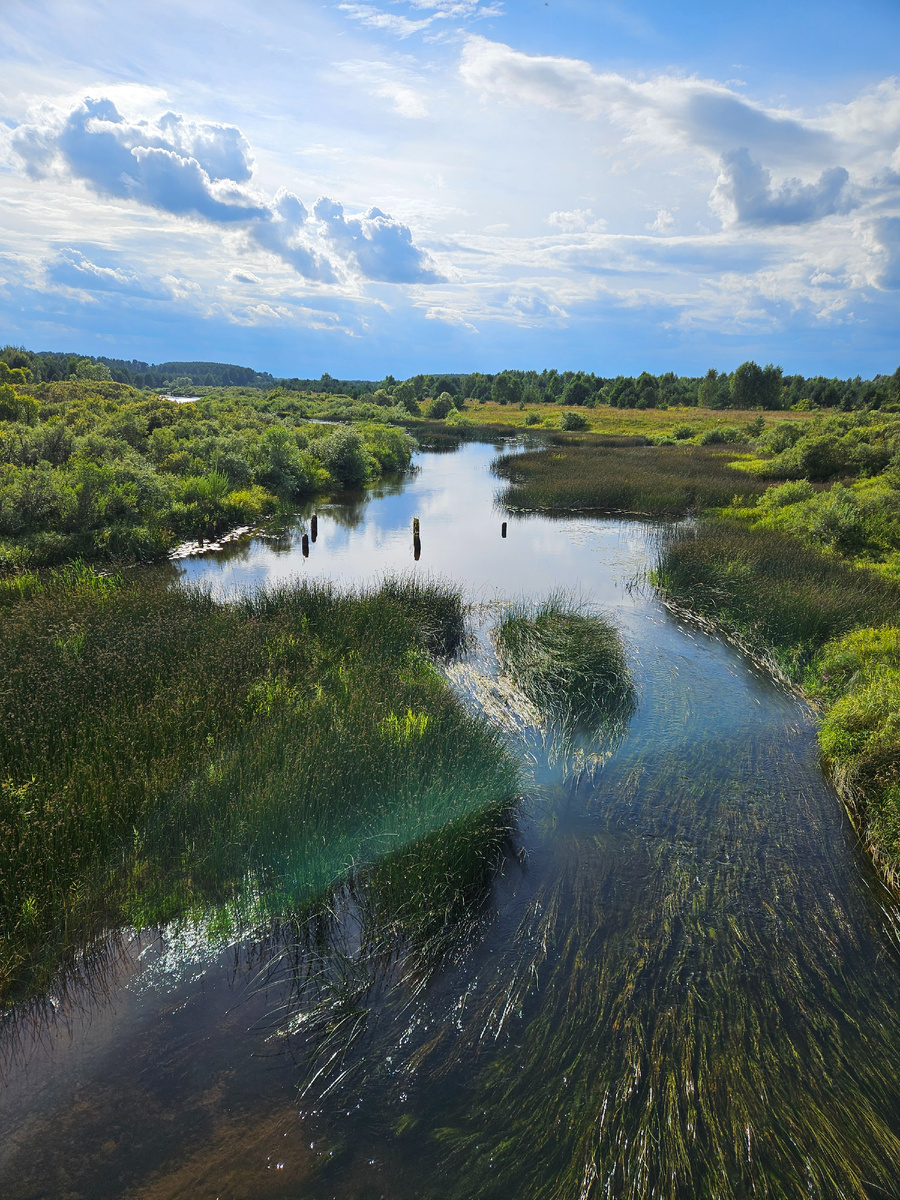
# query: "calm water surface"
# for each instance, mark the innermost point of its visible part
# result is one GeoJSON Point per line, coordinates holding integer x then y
{"type": "Point", "coordinates": [684, 981]}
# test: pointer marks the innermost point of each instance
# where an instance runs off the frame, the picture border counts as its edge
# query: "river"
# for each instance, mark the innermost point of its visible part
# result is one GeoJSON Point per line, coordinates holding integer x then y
{"type": "Point", "coordinates": [685, 981]}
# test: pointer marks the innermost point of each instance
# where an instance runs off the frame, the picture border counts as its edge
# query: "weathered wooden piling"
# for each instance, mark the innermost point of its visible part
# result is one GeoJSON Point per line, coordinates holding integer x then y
{"type": "Point", "coordinates": [503, 529]}
{"type": "Point", "coordinates": [313, 527]}
{"type": "Point", "coordinates": [305, 545]}
{"type": "Point", "coordinates": [415, 526]}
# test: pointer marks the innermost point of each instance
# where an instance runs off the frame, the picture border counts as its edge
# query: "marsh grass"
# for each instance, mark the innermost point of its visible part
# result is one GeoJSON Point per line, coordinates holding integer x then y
{"type": "Point", "coordinates": [646, 480]}
{"type": "Point", "coordinates": [782, 599]}
{"type": "Point", "coordinates": [570, 663]}
{"type": "Point", "coordinates": [161, 753]}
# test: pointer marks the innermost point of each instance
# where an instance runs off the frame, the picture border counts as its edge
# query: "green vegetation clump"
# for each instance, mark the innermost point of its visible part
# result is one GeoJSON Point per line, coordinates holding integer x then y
{"type": "Point", "coordinates": [569, 663]}
{"type": "Point", "coordinates": [858, 677]}
{"type": "Point", "coordinates": [779, 597]}
{"type": "Point", "coordinates": [98, 470]}
{"type": "Point", "coordinates": [162, 754]}
{"type": "Point", "coordinates": [658, 481]}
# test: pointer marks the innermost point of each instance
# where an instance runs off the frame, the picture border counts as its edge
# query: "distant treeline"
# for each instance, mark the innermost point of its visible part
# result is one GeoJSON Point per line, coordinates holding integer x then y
{"type": "Point", "coordinates": [748, 386]}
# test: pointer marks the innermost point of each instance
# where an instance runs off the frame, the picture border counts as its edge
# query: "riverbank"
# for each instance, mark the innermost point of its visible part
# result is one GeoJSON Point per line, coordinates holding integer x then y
{"type": "Point", "coordinates": [802, 574]}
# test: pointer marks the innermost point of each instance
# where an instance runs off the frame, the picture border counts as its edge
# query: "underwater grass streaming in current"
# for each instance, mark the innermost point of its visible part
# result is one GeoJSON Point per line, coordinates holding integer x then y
{"type": "Point", "coordinates": [161, 752]}
{"type": "Point", "coordinates": [822, 622]}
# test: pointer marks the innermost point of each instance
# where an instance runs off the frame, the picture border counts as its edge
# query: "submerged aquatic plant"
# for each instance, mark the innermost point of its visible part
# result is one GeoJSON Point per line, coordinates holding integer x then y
{"type": "Point", "coordinates": [570, 663]}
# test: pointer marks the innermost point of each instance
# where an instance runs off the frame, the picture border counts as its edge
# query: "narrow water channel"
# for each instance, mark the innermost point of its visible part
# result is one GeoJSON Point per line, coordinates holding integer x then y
{"type": "Point", "coordinates": [684, 982]}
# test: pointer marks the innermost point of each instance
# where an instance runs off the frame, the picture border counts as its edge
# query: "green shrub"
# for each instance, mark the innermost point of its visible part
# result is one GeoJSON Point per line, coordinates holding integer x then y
{"type": "Point", "coordinates": [721, 435]}
{"type": "Point", "coordinates": [440, 407]}
{"type": "Point", "coordinates": [574, 421]}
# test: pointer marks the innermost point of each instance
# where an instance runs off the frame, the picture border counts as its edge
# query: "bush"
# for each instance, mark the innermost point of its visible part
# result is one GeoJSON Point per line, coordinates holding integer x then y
{"type": "Point", "coordinates": [574, 421]}
{"type": "Point", "coordinates": [440, 407]}
{"type": "Point", "coordinates": [721, 435]}
{"type": "Point", "coordinates": [345, 457]}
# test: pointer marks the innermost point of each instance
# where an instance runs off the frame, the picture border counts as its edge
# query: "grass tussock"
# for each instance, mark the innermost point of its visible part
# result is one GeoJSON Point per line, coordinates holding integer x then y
{"type": "Point", "coordinates": [161, 753]}
{"type": "Point", "coordinates": [648, 480]}
{"type": "Point", "coordinates": [568, 662]}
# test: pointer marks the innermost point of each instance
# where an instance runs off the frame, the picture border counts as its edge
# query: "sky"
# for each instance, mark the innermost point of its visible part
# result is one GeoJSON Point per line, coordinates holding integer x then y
{"type": "Point", "coordinates": [396, 186]}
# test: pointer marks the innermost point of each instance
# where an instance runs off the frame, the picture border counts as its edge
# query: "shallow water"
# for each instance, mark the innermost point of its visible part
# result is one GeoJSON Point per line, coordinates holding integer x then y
{"type": "Point", "coordinates": [683, 983]}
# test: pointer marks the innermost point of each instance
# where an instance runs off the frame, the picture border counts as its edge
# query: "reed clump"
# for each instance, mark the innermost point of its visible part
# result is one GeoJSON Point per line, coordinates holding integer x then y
{"type": "Point", "coordinates": [161, 753]}
{"type": "Point", "coordinates": [570, 663]}
{"type": "Point", "coordinates": [781, 598]}
{"type": "Point", "coordinates": [647, 480]}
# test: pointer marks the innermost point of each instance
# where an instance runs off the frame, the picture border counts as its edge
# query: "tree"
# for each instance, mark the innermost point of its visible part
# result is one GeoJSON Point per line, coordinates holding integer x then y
{"type": "Point", "coordinates": [506, 388]}
{"type": "Point", "coordinates": [441, 406]}
{"type": "Point", "coordinates": [405, 396]}
{"type": "Point", "coordinates": [647, 389]}
{"type": "Point", "coordinates": [754, 387]}
{"type": "Point", "coordinates": [85, 369]}
{"type": "Point", "coordinates": [577, 391]}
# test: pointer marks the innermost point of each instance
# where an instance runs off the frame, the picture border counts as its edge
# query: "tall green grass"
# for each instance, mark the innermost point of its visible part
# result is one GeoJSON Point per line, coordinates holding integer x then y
{"type": "Point", "coordinates": [781, 598]}
{"type": "Point", "coordinates": [568, 662]}
{"type": "Point", "coordinates": [649, 480]}
{"type": "Point", "coordinates": [162, 753]}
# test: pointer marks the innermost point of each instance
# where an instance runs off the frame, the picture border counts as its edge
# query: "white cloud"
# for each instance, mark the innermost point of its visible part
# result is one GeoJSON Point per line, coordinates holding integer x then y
{"type": "Point", "coordinates": [182, 168]}
{"type": "Point", "coordinates": [449, 316]}
{"type": "Point", "coordinates": [401, 26]}
{"type": "Point", "coordinates": [663, 222]}
{"type": "Point", "coordinates": [668, 111]}
{"type": "Point", "coordinates": [744, 194]}
{"type": "Point", "coordinates": [575, 219]}
{"type": "Point", "coordinates": [883, 234]}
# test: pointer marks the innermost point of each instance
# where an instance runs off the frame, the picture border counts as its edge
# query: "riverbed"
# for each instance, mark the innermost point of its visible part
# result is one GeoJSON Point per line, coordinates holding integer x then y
{"type": "Point", "coordinates": [683, 982]}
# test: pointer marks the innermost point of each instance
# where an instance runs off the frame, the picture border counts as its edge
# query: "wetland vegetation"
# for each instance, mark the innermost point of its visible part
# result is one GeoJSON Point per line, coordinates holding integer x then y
{"type": "Point", "coordinates": [161, 753]}
{"type": "Point", "coordinates": [303, 770]}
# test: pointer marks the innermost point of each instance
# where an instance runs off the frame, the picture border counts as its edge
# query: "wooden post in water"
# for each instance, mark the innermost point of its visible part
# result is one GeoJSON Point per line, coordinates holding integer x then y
{"type": "Point", "coordinates": [503, 529]}
{"type": "Point", "coordinates": [415, 527]}
{"type": "Point", "coordinates": [304, 545]}
{"type": "Point", "coordinates": [313, 527]}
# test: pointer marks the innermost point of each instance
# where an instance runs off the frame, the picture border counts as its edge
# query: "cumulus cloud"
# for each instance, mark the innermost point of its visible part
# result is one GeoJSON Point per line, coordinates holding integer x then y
{"type": "Point", "coordinates": [744, 194]}
{"type": "Point", "coordinates": [382, 248]}
{"type": "Point", "coordinates": [575, 220]}
{"type": "Point", "coordinates": [202, 170]}
{"type": "Point", "coordinates": [884, 232]}
{"type": "Point", "coordinates": [664, 222]}
{"type": "Point", "coordinates": [531, 305]}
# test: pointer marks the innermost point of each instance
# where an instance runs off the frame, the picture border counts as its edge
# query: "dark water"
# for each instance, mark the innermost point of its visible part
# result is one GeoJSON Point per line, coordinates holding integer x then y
{"type": "Point", "coordinates": [683, 983]}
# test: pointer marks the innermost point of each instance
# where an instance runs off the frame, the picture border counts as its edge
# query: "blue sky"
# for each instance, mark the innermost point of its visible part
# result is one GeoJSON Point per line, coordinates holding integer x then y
{"type": "Point", "coordinates": [420, 185]}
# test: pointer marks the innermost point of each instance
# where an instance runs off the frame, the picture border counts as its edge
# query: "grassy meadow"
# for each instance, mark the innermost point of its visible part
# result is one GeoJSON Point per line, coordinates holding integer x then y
{"type": "Point", "coordinates": [162, 754]}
